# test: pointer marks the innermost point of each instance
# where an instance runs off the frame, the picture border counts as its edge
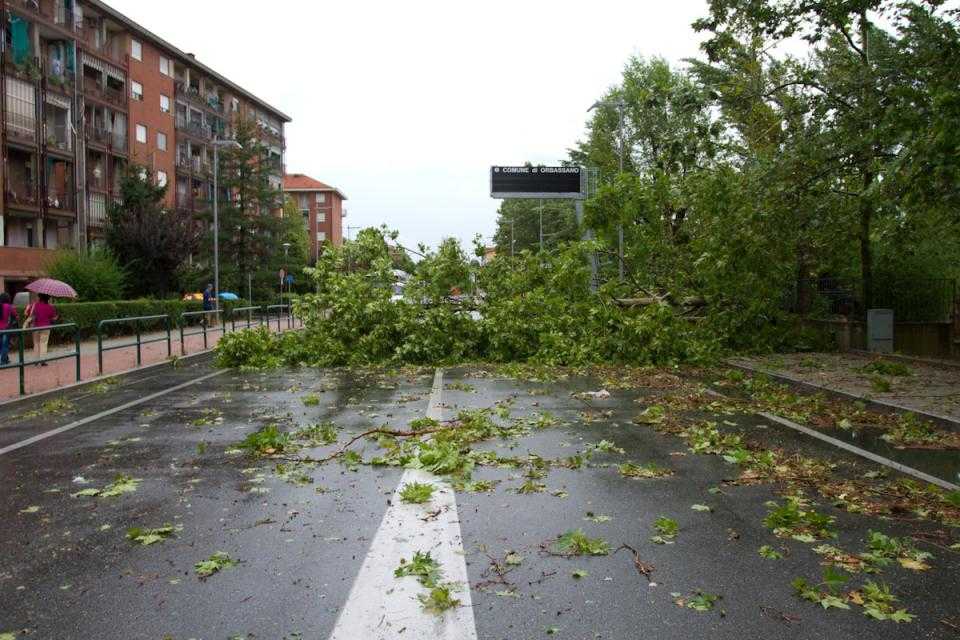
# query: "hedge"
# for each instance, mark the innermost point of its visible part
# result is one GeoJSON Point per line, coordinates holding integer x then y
{"type": "Point", "coordinates": [87, 315]}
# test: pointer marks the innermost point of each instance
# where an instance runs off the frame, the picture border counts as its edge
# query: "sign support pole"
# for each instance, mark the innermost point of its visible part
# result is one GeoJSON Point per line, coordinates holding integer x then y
{"type": "Point", "coordinates": [588, 235]}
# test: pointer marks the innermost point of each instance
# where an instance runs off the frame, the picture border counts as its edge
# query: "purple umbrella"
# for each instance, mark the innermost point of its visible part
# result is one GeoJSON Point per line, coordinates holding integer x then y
{"type": "Point", "coordinates": [53, 288]}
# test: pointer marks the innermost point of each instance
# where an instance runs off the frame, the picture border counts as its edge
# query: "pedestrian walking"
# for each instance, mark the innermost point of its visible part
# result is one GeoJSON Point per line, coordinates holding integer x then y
{"type": "Point", "coordinates": [41, 314]}
{"type": "Point", "coordinates": [209, 300]}
{"type": "Point", "coordinates": [8, 320]}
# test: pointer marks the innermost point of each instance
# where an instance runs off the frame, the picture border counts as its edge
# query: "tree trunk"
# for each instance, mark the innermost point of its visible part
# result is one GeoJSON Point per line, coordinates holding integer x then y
{"type": "Point", "coordinates": [866, 255]}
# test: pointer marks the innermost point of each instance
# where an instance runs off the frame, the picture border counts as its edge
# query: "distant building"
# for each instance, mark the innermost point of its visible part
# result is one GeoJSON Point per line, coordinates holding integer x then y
{"type": "Point", "coordinates": [321, 207]}
{"type": "Point", "coordinates": [489, 253]}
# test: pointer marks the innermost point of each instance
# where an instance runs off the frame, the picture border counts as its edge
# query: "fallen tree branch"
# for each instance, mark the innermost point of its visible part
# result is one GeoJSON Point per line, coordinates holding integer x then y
{"type": "Point", "coordinates": [643, 568]}
{"type": "Point", "coordinates": [365, 434]}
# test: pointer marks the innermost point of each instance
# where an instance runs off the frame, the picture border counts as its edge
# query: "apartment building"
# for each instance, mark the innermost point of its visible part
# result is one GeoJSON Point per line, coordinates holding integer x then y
{"type": "Point", "coordinates": [86, 92]}
{"type": "Point", "coordinates": [321, 207]}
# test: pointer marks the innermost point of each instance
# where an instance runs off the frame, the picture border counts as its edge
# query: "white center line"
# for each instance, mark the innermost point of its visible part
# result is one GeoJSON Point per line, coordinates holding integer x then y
{"type": "Point", "coordinates": [381, 606]}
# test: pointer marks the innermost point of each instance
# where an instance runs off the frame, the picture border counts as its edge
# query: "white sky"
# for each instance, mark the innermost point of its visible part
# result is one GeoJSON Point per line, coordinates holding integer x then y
{"type": "Point", "coordinates": [405, 105]}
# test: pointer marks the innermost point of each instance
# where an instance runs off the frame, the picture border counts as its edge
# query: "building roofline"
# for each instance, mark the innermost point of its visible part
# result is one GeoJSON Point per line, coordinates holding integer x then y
{"type": "Point", "coordinates": [182, 55]}
{"type": "Point", "coordinates": [342, 195]}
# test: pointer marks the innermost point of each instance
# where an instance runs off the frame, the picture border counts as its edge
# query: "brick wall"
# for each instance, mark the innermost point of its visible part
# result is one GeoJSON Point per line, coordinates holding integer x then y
{"type": "Point", "coordinates": [147, 112]}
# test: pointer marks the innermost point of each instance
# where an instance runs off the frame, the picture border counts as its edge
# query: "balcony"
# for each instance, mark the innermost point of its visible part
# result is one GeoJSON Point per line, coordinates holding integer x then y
{"type": "Point", "coordinates": [60, 199]}
{"type": "Point", "coordinates": [114, 97]}
{"type": "Point", "coordinates": [21, 192]}
{"type": "Point", "coordinates": [201, 165]}
{"type": "Point", "coordinates": [194, 128]}
{"type": "Point", "coordinates": [28, 69]}
{"type": "Point", "coordinates": [99, 136]}
{"type": "Point", "coordinates": [59, 82]}
{"type": "Point", "coordinates": [270, 133]}
{"type": "Point", "coordinates": [97, 208]}
{"type": "Point", "coordinates": [109, 48]}
{"type": "Point", "coordinates": [193, 96]}
{"type": "Point", "coordinates": [21, 128]}
{"type": "Point", "coordinates": [59, 138]}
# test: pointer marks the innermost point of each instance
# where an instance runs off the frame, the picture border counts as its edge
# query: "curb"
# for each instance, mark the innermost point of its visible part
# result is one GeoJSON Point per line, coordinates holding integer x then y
{"type": "Point", "coordinates": [951, 424]}
{"type": "Point", "coordinates": [119, 374]}
{"type": "Point", "coordinates": [930, 362]}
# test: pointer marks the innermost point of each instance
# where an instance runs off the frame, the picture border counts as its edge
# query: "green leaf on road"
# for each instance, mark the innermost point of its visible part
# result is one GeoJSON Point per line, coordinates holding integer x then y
{"type": "Point", "coordinates": [417, 492]}
{"type": "Point", "coordinates": [214, 564]}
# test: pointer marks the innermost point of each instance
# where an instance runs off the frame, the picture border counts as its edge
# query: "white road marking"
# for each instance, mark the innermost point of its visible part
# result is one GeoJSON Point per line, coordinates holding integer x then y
{"type": "Point", "coordinates": [381, 606]}
{"type": "Point", "coordinates": [104, 414]}
{"type": "Point", "coordinates": [869, 455]}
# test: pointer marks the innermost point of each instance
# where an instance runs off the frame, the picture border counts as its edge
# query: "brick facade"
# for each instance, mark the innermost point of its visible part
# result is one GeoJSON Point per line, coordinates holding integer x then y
{"type": "Point", "coordinates": [147, 113]}
{"type": "Point", "coordinates": [322, 208]}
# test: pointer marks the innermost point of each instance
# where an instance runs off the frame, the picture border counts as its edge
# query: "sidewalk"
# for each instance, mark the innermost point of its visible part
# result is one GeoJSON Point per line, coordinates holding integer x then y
{"type": "Point", "coordinates": [63, 372]}
{"type": "Point", "coordinates": [921, 387]}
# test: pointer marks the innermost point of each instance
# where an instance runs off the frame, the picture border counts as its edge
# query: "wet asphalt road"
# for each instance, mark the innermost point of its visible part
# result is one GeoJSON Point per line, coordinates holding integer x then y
{"type": "Point", "coordinates": [67, 571]}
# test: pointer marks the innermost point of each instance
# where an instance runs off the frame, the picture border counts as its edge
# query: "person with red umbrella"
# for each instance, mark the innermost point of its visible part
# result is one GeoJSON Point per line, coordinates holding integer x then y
{"type": "Point", "coordinates": [43, 314]}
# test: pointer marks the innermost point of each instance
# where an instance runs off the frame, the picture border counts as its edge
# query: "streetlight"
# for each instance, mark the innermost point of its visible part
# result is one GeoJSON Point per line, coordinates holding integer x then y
{"type": "Point", "coordinates": [230, 144]}
{"type": "Point", "coordinates": [621, 106]}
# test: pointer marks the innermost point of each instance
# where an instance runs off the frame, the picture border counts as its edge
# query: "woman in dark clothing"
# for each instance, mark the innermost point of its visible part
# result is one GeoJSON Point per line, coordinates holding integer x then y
{"type": "Point", "coordinates": [8, 320]}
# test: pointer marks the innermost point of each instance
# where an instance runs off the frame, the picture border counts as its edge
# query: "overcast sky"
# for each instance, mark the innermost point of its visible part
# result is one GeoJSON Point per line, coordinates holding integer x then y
{"type": "Point", "coordinates": [405, 105]}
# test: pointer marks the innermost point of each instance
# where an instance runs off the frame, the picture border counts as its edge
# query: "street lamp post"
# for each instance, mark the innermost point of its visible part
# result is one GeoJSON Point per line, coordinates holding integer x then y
{"type": "Point", "coordinates": [232, 144]}
{"type": "Point", "coordinates": [621, 106]}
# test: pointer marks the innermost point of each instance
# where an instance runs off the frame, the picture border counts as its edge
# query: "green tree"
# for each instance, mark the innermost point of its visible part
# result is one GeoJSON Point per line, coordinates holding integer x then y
{"type": "Point", "coordinates": [850, 86]}
{"type": "Point", "coordinates": [150, 241]}
{"type": "Point", "coordinates": [250, 227]}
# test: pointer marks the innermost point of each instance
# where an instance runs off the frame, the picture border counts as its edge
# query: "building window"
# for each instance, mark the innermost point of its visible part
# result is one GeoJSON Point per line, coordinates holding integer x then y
{"type": "Point", "coordinates": [161, 141]}
{"type": "Point", "coordinates": [164, 104]}
{"type": "Point", "coordinates": [321, 216]}
{"type": "Point", "coordinates": [306, 219]}
{"type": "Point", "coordinates": [141, 133]}
{"type": "Point", "coordinates": [161, 178]}
{"type": "Point", "coordinates": [236, 105]}
{"type": "Point", "coordinates": [321, 236]}
{"type": "Point", "coordinates": [136, 90]}
{"type": "Point", "coordinates": [304, 202]}
{"type": "Point", "coordinates": [321, 198]}
{"type": "Point", "coordinates": [166, 66]}
{"type": "Point", "coordinates": [136, 50]}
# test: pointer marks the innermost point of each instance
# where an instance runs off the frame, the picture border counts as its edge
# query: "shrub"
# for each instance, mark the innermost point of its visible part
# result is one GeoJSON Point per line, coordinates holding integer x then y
{"type": "Point", "coordinates": [249, 348]}
{"type": "Point", "coordinates": [95, 276]}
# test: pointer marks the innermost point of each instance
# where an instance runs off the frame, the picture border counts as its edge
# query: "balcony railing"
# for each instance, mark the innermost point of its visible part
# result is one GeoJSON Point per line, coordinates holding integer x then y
{"type": "Point", "coordinates": [58, 137]}
{"type": "Point", "coordinates": [194, 128]}
{"type": "Point", "coordinates": [113, 96]}
{"type": "Point", "coordinates": [21, 192]}
{"type": "Point", "coordinates": [200, 165]}
{"type": "Point", "coordinates": [99, 135]}
{"type": "Point", "coordinates": [21, 128]}
{"type": "Point", "coordinates": [60, 199]}
{"type": "Point", "coordinates": [95, 183]}
{"type": "Point", "coordinates": [111, 49]}
{"type": "Point", "coordinates": [59, 81]}
{"type": "Point", "coordinates": [27, 69]}
{"type": "Point", "coordinates": [97, 209]}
